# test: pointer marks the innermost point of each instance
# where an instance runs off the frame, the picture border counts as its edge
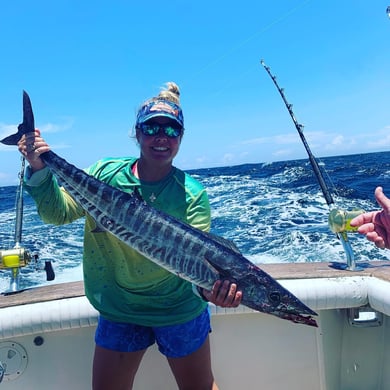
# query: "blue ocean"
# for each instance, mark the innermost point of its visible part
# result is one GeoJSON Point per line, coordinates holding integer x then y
{"type": "Point", "coordinates": [274, 212]}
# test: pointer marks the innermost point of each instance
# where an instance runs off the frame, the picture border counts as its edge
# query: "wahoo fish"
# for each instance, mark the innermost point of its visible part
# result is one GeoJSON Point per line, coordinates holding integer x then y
{"type": "Point", "coordinates": [194, 255]}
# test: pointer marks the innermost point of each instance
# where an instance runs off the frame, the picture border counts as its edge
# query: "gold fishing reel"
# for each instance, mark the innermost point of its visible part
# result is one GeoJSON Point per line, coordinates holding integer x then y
{"type": "Point", "coordinates": [339, 220]}
{"type": "Point", "coordinates": [14, 258]}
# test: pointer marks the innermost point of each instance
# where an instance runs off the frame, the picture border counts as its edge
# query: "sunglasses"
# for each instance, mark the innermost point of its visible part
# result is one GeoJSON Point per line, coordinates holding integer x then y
{"type": "Point", "coordinates": [170, 130]}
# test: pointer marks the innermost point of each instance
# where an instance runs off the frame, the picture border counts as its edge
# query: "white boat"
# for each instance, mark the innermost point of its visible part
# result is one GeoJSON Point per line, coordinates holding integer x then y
{"type": "Point", "coordinates": [47, 337]}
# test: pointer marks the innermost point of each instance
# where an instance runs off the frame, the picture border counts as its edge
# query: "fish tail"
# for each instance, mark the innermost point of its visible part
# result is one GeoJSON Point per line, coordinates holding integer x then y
{"type": "Point", "coordinates": [24, 127]}
{"type": "Point", "coordinates": [12, 139]}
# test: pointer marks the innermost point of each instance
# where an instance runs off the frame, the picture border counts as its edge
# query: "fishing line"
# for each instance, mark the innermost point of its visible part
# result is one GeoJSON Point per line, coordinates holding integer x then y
{"type": "Point", "coordinates": [338, 219]}
{"type": "Point", "coordinates": [251, 38]}
{"type": "Point", "coordinates": [329, 179]}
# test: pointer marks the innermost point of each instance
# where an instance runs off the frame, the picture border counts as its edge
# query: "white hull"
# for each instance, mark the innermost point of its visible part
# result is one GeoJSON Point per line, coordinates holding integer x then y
{"type": "Point", "coordinates": [250, 350]}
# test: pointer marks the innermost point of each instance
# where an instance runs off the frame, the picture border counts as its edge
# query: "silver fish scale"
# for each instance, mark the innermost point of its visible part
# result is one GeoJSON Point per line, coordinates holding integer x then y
{"type": "Point", "coordinates": [169, 245]}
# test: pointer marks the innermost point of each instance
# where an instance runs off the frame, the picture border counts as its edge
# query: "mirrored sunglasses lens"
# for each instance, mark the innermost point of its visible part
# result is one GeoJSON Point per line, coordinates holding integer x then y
{"type": "Point", "coordinates": [172, 132]}
{"type": "Point", "coordinates": [150, 129]}
{"type": "Point", "coordinates": [154, 129]}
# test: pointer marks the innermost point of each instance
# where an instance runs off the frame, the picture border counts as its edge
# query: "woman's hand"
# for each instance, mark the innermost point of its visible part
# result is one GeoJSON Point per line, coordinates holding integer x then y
{"type": "Point", "coordinates": [31, 146]}
{"type": "Point", "coordinates": [224, 293]}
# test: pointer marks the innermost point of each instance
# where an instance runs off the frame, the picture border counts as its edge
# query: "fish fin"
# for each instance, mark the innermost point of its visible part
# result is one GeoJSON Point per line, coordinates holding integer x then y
{"type": "Point", "coordinates": [212, 267]}
{"type": "Point", "coordinates": [219, 271]}
{"type": "Point", "coordinates": [227, 244]}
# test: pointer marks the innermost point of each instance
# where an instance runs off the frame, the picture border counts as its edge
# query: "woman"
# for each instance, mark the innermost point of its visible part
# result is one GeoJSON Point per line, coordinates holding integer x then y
{"type": "Point", "coordinates": [139, 302]}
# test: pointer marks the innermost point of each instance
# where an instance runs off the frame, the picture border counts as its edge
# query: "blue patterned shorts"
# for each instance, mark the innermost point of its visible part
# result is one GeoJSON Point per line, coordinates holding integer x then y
{"type": "Point", "coordinates": [173, 341]}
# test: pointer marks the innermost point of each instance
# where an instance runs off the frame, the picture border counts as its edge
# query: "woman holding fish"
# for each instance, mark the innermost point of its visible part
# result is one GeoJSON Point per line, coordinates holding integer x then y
{"type": "Point", "coordinates": [139, 302]}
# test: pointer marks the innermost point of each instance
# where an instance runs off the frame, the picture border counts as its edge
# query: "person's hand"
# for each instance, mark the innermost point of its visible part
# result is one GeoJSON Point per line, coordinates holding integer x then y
{"type": "Point", "coordinates": [375, 225]}
{"type": "Point", "coordinates": [224, 293]}
{"type": "Point", "coordinates": [32, 145]}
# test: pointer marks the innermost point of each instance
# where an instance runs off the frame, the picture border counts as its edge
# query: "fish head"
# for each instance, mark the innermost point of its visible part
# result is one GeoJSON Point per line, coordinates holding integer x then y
{"type": "Point", "coordinates": [288, 307]}
{"type": "Point", "coordinates": [272, 298]}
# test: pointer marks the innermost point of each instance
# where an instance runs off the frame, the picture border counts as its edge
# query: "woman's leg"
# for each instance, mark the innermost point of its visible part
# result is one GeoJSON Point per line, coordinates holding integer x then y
{"type": "Point", "coordinates": [114, 370]}
{"type": "Point", "coordinates": [118, 353]}
{"type": "Point", "coordinates": [193, 372]}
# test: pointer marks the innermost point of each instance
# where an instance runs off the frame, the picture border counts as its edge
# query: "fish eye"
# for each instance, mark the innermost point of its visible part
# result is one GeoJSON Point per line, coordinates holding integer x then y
{"type": "Point", "coordinates": [274, 297]}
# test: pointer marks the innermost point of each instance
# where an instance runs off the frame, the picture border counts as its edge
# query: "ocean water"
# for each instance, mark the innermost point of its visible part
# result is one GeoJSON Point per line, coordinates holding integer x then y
{"type": "Point", "coordinates": [274, 213]}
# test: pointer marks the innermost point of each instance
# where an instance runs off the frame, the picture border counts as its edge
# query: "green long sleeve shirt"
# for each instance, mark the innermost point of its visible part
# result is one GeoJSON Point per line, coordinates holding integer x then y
{"type": "Point", "coordinates": [120, 283]}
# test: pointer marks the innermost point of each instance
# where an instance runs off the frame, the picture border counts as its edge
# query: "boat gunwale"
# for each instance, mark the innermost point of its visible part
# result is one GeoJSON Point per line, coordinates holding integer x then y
{"type": "Point", "coordinates": [279, 271]}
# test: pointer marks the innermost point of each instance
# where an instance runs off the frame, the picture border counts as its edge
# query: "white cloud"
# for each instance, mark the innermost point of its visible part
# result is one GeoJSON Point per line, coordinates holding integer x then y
{"type": "Point", "coordinates": [244, 154]}
{"type": "Point", "coordinates": [67, 123]}
{"type": "Point", "coordinates": [280, 139]}
{"type": "Point", "coordinates": [201, 159]}
{"type": "Point", "coordinates": [6, 130]}
{"type": "Point", "coordinates": [282, 153]}
{"type": "Point", "coordinates": [380, 140]}
{"type": "Point", "coordinates": [256, 141]}
{"type": "Point", "coordinates": [286, 139]}
{"type": "Point", "coordinates": [228, 158]}
{"type": "Point", "coordinates": [338, 140]}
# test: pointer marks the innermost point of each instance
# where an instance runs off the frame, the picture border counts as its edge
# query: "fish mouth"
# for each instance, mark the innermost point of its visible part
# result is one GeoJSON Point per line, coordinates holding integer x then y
{"type": "Point", "coordinates": [297, 318]}
{"type": "Point", "coordinates": [289, 304]}
{"type": "Point", "coordinates": [298, 314]}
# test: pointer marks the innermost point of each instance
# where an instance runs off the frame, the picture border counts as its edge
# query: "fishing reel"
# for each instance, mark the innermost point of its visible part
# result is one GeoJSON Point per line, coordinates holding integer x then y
{"type": "Point", "coordinates": [17, 258]}
{"type": "Point", "coordinates": [340, 223]}
{"type": "Point", "coordinates": [14, 258]}
{"type": "Point", "coordinates": [340, 220]}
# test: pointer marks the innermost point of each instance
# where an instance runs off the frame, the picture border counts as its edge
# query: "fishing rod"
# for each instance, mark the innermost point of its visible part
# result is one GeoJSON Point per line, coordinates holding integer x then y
{"type": "Point", "coordinates": [19, 206]}
{"type": "Point", "coordinates": [338, 219]}
{"type": "Point", "coordinates": [19, 257]}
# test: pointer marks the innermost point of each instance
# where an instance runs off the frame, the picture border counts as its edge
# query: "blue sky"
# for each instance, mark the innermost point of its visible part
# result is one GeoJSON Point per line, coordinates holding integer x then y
{"type": "Point", "coordinates": [88, 65]}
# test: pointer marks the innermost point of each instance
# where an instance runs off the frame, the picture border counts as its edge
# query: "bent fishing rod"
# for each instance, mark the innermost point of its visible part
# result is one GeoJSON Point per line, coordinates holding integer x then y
{"type": "Point", "coordinates": [338, 219]}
